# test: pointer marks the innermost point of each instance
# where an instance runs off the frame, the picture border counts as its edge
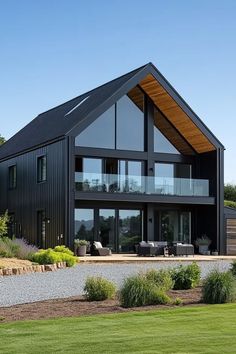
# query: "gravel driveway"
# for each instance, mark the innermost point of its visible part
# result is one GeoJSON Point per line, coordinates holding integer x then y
{"type": "Point", "coordinates": [69, 282]}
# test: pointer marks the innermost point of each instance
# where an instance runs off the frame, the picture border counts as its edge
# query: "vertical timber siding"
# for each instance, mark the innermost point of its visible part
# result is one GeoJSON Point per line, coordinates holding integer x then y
{"type": "Point", "coordinates": [231, 236]}
{"type": "Point", "coordinates": [29, 196]}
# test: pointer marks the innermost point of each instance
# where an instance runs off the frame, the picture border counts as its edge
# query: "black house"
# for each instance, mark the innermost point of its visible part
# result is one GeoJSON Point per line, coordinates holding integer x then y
{"type": "Point", "coordinates": [126, 161]}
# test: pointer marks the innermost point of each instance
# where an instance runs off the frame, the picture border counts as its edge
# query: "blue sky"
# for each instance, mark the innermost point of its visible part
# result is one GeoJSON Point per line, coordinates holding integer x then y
{"type": "Point", "coordinates": [53, 50]}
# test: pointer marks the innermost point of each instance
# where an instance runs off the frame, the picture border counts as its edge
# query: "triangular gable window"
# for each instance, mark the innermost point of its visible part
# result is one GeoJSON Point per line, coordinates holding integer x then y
{"type": "Point", "coordinates": [162, 144]}
{"type": "Point", "coordinates": [101, 133]}
{"type": "Point", "coordinates": [121, 127]}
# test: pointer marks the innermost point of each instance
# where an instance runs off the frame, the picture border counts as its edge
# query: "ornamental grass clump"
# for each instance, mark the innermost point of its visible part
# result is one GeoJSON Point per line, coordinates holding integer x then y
{"type": "Point", "coordinates": [161, 278]}
{"type": "Point", "coordinates": [139, 291]}
{"type": "Point", "coordinates": [186, 277]}
{"type": "Point", "coordinates": [99, 289]}
{"type": "Point", "coordinates": [8, 248]}
{"type": "Point", "coordinates": [219, 287]}
{"type": "Point", "coordinates": [233, 268]}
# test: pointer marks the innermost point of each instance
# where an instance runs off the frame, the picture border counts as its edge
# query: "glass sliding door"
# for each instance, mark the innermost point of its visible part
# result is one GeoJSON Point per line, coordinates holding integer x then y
{"type": "Point", "coordinates": [185, 226]}
{"type": "Point", "coordinates": [84, 224]}
{"type": "Point", "coordinates": [130, 176]}
{"type": "Point", "coordinates": [174, 226]}
{"type": "Point", "coordinates": [130, 230]}
{"type": "Point", "coordinates": [118, 229]}
{"type": "Point", "coordinates": [107, 228]}
{"type": "Point", "coordinates": [164, 178]}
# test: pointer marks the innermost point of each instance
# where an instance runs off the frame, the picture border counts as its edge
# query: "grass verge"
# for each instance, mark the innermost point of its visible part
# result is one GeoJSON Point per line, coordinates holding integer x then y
{"type": "Point", "coordinates": [201, 329]}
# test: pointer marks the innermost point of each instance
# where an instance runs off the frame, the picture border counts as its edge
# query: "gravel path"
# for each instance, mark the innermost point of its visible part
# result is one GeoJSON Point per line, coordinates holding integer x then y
{"type": "Point", "coordinates": [69, 282]}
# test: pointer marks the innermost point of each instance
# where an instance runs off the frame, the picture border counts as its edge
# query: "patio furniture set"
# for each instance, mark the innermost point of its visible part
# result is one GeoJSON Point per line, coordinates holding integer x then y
{"type": "Point", "coordinates": [150, 249]}
{"type": "Point", "coordinates": [162, 248]}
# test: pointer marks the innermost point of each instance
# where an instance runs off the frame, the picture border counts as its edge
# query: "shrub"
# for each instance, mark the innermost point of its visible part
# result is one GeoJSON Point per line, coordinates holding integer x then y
{"type": "Point", "coordinates": [3, 224]}
{"type": "Point", "coordinates": [70, 260]}
{"type": "Point", "coordinates": [230, 203]}
{"type": "Point", "coordinates": [177, 301]}
{"type": "Point", "coordinates": [233, 268]}
{"type": "Point", "coordinates": [47, 256]}
{"type": "Point", "coordinates": [63, 249]}
{"type": "Point", "coordinates": [219, 288]}
{"type": "Point", "coordinates": [161, 278]}
{"type": "Point", "coordinates": [24, 251]}
{"type": "Point", "coordinates": [50, 256]}
{"type": "Point", "coordinates": [139, 291]}
{"type": "Point", "coordinates": [186, 277]}
{"type": "Point", "coordinates": [99, 289]}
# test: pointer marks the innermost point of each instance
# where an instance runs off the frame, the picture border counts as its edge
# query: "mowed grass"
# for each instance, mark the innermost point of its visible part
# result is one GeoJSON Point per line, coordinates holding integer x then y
{"type": "Point", "coordinates": [205, 329]}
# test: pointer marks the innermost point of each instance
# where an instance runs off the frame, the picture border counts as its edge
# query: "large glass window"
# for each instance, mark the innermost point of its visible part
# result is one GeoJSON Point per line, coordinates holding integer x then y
{"type": "Point", "coordinates": [84, 224]}
{"type": "Point", "coordinates": [161, 143]}
{"type": "Point", "coordinates": [130, 125]}
{"type": "Point", "coordinates": [88, 175]}
{"type": "Point", "coordinates": [120, 127]}
{"type": "Point", "coordinates": [164, 178]}
{"type": "Point", "coordinates": [130, 176]}
{"type": "Point", "coordinates": [130, 229]}
{"type": "Point", "coordinates": [174, 179]}
{"type": "Point", "coordinates": [101, 133]}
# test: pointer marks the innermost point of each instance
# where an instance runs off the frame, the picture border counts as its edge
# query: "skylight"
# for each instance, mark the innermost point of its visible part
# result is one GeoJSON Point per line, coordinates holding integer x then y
{"type": "Point", "coordinates": [77, 105]}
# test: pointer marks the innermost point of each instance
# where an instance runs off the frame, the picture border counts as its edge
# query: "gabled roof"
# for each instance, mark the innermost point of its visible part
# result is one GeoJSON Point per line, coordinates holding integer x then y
{"type": "Point", "coordinates": [81, 111]}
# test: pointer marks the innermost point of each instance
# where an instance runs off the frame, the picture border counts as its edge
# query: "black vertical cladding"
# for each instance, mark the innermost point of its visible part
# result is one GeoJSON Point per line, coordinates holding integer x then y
{"type": "Point", "coordinates": [206, 217]}
{"type": "Point", "coordinates": [29, 196]}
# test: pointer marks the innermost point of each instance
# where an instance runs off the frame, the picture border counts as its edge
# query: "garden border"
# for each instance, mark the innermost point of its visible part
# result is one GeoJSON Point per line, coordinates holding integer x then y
{"type": "Point", "coordinates": [37, 268]}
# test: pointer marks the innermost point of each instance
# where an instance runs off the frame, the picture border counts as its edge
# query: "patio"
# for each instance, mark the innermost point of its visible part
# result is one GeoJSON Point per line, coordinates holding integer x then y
{"type": "Point", "coordinates": [132, 258]}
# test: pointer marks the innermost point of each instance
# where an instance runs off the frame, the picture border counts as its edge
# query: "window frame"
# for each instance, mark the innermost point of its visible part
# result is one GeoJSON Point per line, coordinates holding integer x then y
{"type": "Point", "coordinates": [12, 186]}
{"type": "Point", "coordinates": [39, 173]}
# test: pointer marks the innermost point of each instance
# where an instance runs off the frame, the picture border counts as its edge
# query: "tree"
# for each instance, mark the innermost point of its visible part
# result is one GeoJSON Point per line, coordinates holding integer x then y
{"type": "Point", "coordinates": [4, 224]}
{"type": "Point", "coordinates": [2, 140]}
{"type": "Point", "coordinates": [230, 192]}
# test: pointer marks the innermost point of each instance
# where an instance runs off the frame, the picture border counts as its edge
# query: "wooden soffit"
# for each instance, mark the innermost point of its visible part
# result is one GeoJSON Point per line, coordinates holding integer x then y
{"type": "Point", "coordinates": [176, 116]}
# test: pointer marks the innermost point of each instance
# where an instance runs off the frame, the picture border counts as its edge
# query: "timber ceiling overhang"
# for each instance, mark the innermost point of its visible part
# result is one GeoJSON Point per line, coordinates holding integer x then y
{"type": "Point", "coordinates": [177, 115]}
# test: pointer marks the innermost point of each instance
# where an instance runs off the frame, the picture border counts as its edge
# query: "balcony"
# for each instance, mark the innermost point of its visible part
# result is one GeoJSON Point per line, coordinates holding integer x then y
{"type": "Point", "coordinates": [111, 183]}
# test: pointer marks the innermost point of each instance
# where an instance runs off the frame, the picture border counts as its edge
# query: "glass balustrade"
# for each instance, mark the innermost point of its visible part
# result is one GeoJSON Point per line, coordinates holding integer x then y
{"type": "Point", "coordinates": [111, 183]}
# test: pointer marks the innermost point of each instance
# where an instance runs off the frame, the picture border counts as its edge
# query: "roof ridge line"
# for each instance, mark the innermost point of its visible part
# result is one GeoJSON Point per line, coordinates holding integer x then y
{"type": "Point", "coordinates": [138, 71]}
{"type": "Point", "coordinates": [90, 91]}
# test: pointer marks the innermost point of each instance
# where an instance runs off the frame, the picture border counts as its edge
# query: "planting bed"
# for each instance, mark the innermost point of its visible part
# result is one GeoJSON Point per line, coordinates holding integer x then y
{"type": "Point", "coordinates": [77, 306]}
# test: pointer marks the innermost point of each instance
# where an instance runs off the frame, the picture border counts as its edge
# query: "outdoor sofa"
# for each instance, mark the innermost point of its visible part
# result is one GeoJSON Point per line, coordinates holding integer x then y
{"type": "Point", "coordinates": [161, 248]}
{"type": "Point", "coordinates": [181, 249]}
{"type": "Point", "coordinates": [151, 248]}
{"type": "Point", "coordinates": [96, 249]}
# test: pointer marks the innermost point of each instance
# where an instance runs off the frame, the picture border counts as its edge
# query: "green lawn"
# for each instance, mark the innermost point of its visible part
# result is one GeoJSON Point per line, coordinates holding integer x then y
{"type": "Point", "coordinates": [207, 329]}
